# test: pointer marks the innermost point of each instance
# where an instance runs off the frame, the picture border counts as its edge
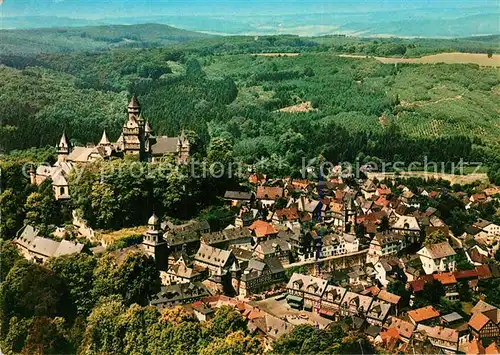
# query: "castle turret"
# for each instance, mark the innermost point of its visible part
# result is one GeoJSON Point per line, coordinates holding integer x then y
{"type": "Point", "coordinates": [104, 140]}
{"type": "Point", "coordinates": [134, 107]}
{"type": "Point", "coordinates": [183, 147]}
{"type": "Point", "coordinates": [149, 138]}
{"type": "Point", "coordinates": [147, 128]}
{"type": "Point", "coordinates": [63, 148]}
{"type": "Point", "coordinates": [132, 136]}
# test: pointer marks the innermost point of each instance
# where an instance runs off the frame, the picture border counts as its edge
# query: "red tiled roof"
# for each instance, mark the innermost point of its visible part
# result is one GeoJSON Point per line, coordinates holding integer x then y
{"type": "Point", "coordinates": [483, 272]}
{"type": "Point", "coordinates": [465, 274]}
{"type": "Point", "coordinates": [403, 327]}
{"type": "Point", "coordinates": [389, 333]}
{"type": "Point", "coordinates": [417, 285]}
{"type": "Point", "coordinates": [422, 314]}
{"type": "Point", "coordinates": [384, 191]}
{"type": "Point", "coordinates": [388, 297]}
{"type": "Point", "coordinates": [478, 321]}
{"type": "Point", "coordinates": [492, 349]}
{"type": "Point", "coordinates": [255, 178]}
{"type": "Point", "coordinates": [289, 214]}
{"type": "Point", "coordinates": [269, 193]}
{"type": "Point", "coordinates": [262, 229]}
{"type": "Point", "coordinates": [475, 347]}
{"type": "Point", "coordinates": [433, 194]}
{"type": "Point", "coordinates": [446, 278]}
{"type": "Point", "coordinates": [383, 202]}
{"type": "Point", "coordinates": [479, 196]}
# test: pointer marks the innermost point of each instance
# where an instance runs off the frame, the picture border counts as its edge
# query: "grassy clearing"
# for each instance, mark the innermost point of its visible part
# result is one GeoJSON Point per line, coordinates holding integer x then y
{"type": "Point", "coordinates": [447, 58]}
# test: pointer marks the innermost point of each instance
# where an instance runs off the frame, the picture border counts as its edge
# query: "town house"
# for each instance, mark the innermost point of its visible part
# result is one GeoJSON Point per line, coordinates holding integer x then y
{"type": "Point", "coordinates": [305, 290]}
{"type": "Point", "coordinates": [438, 257]}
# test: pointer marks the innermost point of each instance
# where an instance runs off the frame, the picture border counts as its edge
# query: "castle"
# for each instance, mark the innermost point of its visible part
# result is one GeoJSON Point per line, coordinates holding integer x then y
{"type": "Point", "coordinates": [137, 139]}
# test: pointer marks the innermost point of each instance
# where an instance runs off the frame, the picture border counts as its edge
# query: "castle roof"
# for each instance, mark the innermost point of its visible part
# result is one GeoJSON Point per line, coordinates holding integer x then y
{"type": "Point", "coordinates": [164, 145]}
{"type": "Point", "coordinates": [134, 102]}
{"type": "Point", "coordinates": [104, 139]}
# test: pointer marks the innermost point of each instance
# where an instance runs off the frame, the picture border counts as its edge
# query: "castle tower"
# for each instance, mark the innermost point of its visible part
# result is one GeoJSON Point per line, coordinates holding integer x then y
{"type": "Point", "coordinates": [63, 148]}
{"type": "Point", "coordinates": [134, 108]}
{"type": "Point", "coordinates": [132, 129]}
{"type": "Point", "coordinates": [154, 244]}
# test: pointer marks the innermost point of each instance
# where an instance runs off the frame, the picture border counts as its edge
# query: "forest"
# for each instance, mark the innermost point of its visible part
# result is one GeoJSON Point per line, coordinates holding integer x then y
{"type": "Point", "coordinates": [235, 106]}
{"type": "Point", "coordinates": [360, 107]}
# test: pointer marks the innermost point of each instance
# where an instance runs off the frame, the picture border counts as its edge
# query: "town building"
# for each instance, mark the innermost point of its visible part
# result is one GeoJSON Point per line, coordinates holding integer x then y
{"type": "Point", "coordinates": [260, 275]}
{"type": "Point", "coordinates": [423, 314]}
{"type": "Point", "coordinates": [354, 304]}
{"type": "Point", "coordinates": [330, 302]}
{"type": "Point", "coordinates": [179, 294]}
{"type": "Point", "coordinates": [445, 339]}
{"type": "Point", "coordinates": [383, 244]}
{"type": "Point", "coordinates": [39, 249]}
{"type": "Point", "coordinates": [305, 290]}
{"type": "Point", "coordinates": [438, 257]}
{"type": "Point", "coordinates": [154, 245]}
{"type": "Point", "coordinates": [180, 272]}
{"type": "Point", "coordinates": [213, 258]}
{"type": "Point", "coordinates": [485, 325]}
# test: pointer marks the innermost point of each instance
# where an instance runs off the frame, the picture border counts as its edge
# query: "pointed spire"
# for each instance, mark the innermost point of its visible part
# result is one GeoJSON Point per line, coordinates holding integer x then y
{"type": "Point", "coordinates": [235, 267]}
{"type": "Point", "coordinates": [64, 142]}
{"type": "Point", "coordinates": [134, 102]}
{"type": "Point", "coordinates": [104, 139]}
{"type": "Point", "coordinates": [147, 127]}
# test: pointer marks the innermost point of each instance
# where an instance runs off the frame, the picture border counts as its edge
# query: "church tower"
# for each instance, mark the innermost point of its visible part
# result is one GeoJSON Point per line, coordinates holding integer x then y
{"type": "Point", "coordinates": [154, 244]}
{"type": "Point", "coordinates": [63, 148]}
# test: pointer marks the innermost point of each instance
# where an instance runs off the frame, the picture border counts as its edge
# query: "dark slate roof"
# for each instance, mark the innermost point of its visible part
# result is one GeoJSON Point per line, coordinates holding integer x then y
{"type": "Point", "coordinates": [274, 264]}
{"type": "Point", "coordinates": [179, 293]}
{"type": "Point", "coordinates": [238, 195]}
{"type": "Point", "coordinates": [373, 330]}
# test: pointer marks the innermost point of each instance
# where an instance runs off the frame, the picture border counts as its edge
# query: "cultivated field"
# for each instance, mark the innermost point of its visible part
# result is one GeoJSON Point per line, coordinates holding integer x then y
{"type": "Point", "coordinates": [277, 54]}
{"type": "Point", "coordinates": [448, 58]}
{"type": "Point", "coordinates": [454, 179]}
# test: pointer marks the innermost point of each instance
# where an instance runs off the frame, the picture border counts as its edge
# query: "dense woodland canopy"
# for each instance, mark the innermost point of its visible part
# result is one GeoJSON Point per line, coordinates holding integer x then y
{"type": "Point", "coordinates": [226, 100]}
{"type": "Point", "coordinates": [360, 106]}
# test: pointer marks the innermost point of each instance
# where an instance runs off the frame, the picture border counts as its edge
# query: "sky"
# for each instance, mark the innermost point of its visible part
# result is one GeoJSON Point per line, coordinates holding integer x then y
{"type": "Point", "coordinates": [100, 9]}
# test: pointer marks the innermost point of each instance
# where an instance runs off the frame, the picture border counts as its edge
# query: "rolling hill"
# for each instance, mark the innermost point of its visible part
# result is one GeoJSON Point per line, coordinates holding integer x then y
{"type": "Point", "coordinates": [92, 38]}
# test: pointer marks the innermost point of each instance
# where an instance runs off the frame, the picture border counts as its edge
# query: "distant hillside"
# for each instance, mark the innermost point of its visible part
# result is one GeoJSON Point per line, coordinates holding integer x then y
{"type": "Point", "coordinates": [89, 38]}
